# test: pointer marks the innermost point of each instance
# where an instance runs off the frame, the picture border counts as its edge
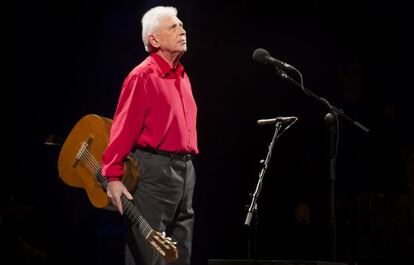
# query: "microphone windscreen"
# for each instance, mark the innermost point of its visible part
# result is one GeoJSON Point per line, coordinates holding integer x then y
{"type": "Point", "coordinates": [260, 55]}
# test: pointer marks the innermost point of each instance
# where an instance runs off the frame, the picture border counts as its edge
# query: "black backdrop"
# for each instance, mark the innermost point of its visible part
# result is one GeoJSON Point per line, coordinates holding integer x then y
{"type": "Point", "coordinates": [70, 58]}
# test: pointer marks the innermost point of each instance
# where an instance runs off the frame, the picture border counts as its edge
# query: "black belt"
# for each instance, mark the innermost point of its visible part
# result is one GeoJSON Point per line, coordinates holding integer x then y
{"type": "Point", "coordinates": [176, 156]}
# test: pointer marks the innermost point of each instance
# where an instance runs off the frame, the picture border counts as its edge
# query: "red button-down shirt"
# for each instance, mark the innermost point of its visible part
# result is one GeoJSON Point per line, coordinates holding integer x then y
{"type": "Point", "coordinates": [156, 109]}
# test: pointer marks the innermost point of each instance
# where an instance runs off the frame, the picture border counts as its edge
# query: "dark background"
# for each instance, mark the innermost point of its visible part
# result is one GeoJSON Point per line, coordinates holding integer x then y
{"type": "Point", "coordinates": [69, 59]}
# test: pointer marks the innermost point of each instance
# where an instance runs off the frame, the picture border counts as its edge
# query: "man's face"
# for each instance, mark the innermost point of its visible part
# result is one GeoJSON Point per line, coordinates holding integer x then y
{"type": "Point", "coordinates": [171, 36]}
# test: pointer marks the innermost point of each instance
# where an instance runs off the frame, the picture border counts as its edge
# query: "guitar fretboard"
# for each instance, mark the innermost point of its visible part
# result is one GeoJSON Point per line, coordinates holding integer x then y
{"type": "Point", "coordinates": [128, 206]}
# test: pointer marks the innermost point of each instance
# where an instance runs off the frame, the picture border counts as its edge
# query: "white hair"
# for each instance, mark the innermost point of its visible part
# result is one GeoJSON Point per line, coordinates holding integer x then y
{"type": "Point", "coordinates": [151, 19]}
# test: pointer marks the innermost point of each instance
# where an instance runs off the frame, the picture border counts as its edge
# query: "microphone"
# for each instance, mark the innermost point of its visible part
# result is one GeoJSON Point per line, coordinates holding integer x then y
{"type": "Point", "coordinates": [277, 119]}
{"type": "Point", "coordinates": [262, 56]}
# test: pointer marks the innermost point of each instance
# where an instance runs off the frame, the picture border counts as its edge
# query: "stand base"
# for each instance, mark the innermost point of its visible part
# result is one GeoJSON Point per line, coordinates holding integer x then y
{"type": "Point", "coordinates": [270, 262]}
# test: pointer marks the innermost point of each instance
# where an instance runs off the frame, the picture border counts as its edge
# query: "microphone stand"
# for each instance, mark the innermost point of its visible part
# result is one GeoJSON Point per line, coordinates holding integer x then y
{"type": "Point", "coordinates": [253, 208]}
{"type": "Point", "coordinates": [332, 120]}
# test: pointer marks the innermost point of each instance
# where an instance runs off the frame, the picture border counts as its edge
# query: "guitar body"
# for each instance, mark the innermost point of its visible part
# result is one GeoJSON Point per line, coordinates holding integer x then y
{"type": "Point", "coordinates": [74, 173]}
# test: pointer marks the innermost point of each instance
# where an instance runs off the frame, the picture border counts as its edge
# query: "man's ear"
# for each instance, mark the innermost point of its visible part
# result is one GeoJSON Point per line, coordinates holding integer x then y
{"type": "Point", "coordinates": [152, 40]}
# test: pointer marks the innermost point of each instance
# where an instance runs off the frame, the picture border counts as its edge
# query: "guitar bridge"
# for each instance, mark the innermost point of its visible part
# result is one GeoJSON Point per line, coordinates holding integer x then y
{"type": "Point", "coordinates": [84, 146]}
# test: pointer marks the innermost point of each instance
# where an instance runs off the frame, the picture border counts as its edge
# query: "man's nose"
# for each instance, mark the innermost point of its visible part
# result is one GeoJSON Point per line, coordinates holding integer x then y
{"type": "Point", "coordinates": [182, 30]}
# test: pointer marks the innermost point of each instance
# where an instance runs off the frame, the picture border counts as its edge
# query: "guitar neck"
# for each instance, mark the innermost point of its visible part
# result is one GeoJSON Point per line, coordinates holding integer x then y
{"type": "Point", "coordinates": [131, 211]}
{"type": "Point", "coordinates": [135, 216]}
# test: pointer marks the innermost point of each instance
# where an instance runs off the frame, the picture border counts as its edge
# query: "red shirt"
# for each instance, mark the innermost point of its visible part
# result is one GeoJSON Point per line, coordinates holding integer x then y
{"type": "Point", "coordinates": [156, 109]}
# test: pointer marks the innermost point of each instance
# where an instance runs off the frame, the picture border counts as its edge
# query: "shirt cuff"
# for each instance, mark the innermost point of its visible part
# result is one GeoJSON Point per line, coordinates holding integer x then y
{"type": "Point", "coordinates": [113, 178]}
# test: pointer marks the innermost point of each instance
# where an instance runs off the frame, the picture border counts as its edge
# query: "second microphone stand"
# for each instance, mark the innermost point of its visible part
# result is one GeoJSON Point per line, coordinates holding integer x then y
{"type": "Point", "coordinates": [253, 208]}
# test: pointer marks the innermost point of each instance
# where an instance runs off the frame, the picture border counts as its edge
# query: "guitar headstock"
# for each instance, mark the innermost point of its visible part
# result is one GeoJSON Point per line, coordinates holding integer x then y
{"type": "Point", "coordinates": [163, 245]}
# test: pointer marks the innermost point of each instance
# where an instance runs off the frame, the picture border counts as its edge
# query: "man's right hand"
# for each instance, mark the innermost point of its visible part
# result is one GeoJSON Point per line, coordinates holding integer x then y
{"type": "Point", "coordinates": [115, 189]}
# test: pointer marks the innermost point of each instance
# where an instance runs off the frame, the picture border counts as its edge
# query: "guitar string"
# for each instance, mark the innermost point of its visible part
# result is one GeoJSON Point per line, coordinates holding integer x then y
{"type": "Point", "coordinates": [91, 163]}
{"type": "Point", "coordinates": [143, 225]}
{"type": "Point", "coordinates": [95, 168]}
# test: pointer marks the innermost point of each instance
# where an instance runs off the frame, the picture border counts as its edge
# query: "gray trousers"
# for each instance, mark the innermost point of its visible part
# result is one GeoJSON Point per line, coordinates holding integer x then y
{"type": "Point", "coordinates": [164, 197]}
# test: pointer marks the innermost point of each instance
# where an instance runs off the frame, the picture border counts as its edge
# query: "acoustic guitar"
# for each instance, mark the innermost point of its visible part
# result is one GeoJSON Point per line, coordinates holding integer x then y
{"type": "Point", "coordinates": [79, 166]}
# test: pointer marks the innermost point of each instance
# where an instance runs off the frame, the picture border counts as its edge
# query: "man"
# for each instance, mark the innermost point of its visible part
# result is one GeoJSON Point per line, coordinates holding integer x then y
{"type": "Point", "coordinates": [155, 120]}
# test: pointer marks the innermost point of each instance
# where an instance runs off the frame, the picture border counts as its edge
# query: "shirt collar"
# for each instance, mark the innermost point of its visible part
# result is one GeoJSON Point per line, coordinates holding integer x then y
{"type": "Point", "coordinates": [165, 67]}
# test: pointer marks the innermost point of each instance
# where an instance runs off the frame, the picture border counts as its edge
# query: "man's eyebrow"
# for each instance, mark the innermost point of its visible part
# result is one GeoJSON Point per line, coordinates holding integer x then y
{"type": "Point", "coordinates": [176, 24]}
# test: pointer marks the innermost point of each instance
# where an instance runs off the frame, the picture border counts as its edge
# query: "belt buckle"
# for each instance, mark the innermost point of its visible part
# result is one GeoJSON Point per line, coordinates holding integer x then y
{"type": "Point", "coordinates": [187, 157]}
{"type": "Point", "coordinates": [182, 157]}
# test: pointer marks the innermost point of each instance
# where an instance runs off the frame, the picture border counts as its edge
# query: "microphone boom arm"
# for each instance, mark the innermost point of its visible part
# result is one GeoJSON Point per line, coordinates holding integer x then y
{"type": "Point", "coordinates": [335, 110]}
